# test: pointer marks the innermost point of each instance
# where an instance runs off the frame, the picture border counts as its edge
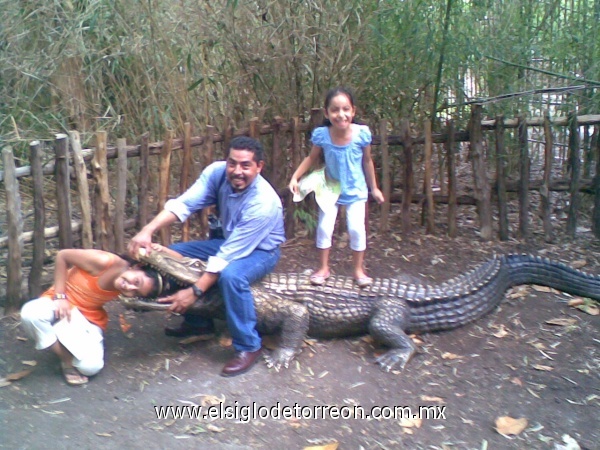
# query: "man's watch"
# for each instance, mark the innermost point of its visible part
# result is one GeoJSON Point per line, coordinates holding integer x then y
{"type": "Point", "coordinates": [197, 291]}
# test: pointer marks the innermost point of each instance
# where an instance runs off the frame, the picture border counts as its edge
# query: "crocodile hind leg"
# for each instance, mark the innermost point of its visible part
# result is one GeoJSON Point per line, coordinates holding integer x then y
{"type": "Point", "coordinates": [387, 326]}
{"type": "Point", "coordinates": [288, 318]}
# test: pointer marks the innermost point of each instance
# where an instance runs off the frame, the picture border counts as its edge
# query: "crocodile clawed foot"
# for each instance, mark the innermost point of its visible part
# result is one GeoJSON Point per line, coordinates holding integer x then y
{"type": "Point", "coordinates": [396, 358]}
{"type": "Point", "coordinates": [281, 357]}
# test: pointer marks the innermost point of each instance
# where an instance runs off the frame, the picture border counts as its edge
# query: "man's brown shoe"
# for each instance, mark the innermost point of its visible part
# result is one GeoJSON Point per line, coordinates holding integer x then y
{"type": "Point", "coordinates": [241, 363]}
{"type": "Point", "coordinates": [185, 330]}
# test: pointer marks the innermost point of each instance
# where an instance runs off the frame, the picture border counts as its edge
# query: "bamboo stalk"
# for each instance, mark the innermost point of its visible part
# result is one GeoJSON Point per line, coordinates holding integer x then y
{"type": "Point", "coordinates": [290, 210]}
{"type": "Point", "coordinates": [143, 178]}
{"type": "Point", "coordinates": [408, 175]}
{"type": "Point", "coordinates": [184, 182]}
{"type": "Point", "coordinates": [481, 186]}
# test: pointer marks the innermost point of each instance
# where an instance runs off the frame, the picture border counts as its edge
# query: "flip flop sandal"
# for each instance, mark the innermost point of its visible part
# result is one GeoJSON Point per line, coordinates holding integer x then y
{"type": "Point", "coordinates": [73, 377]}
{"type": "Point", "coordinates": [319, 280]}
{"type": "Point", "coordinates": [363, 282]}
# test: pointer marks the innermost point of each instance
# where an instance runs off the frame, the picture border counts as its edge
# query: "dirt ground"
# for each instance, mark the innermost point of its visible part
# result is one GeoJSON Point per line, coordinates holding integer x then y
{"type": "Point", "coordinates": [513, 362]}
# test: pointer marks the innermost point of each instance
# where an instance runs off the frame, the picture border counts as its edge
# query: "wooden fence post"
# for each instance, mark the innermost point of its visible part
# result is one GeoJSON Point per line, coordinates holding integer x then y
{"type": "Point", "coordinates": [384, 221]}
{"type": "Point", "coordinates": [164, 178]}
{"type": "Point", "coordinates": [501, 179]}
{"type": "Point", "coordinates": [277, 160]}
{"type": "Point", "coordinates": [87, 238]}
{"type": "Point", "coordinates": [254, 128]}
{"type": "Point", "coordinates": [524, 169]}
{"type": "Point", "coordinates": [430, 227]}
{"type": "Point", "coordinates": [481, 187]}
{"type": "Point", "coordinates": [39, 221]}
{"type": "Point", "coordinates": [407, 192]}
{"type": "Point", "coordinates": [290, 225]}
{"type": "Point", "coordinates": [102, 196]}
{"type": "Point", "coordinates": [184, 182]}
{"type": "Point", "coordinates": [15, 231]}
{"type": "Point", "coordinates": [575, 163]}
{"type": "Point", "coordinates": [545, 194]}
{"type": "Point", "coordinates": [450, 157]}
{"type": "Point", "coordinates": [596, 185]}
{"type": "Point", "coordinates": [63, 191]}
{"type": "Point", "coordinates": [121, 196]}
{"type": "Point", "coordinates": [143, 182]}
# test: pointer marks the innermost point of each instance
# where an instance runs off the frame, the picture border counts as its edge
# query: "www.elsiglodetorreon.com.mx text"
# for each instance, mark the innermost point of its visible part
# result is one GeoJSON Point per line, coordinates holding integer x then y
{"type": "Point", "coordinates": [254, 411]}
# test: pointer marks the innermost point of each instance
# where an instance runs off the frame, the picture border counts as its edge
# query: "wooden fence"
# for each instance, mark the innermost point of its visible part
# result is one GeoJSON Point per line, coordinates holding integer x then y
{"type": "Point", "coordinates": [103, 218]}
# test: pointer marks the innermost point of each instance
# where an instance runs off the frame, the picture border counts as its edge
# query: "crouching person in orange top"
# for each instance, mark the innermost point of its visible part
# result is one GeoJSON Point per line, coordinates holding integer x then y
{"type": "Point", "coordinates": [69, 318]}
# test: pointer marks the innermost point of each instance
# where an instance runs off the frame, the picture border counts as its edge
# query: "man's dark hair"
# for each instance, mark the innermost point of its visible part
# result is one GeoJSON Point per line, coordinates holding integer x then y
{"type": "Point", "coordinates": [250, 144]}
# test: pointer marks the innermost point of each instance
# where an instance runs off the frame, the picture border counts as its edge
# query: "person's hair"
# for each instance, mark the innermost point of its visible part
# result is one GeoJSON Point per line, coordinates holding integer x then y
{"type": "Point", "coordinates": [331, 93]}
{"type": "Point", "coordinates": [161, 285]}
{"type": "Point", "coordinates": [250, 144]}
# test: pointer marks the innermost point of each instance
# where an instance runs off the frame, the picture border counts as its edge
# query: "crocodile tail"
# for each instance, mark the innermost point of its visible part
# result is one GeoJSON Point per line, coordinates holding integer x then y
{"type": "Point", "coordinates": [528, 269]}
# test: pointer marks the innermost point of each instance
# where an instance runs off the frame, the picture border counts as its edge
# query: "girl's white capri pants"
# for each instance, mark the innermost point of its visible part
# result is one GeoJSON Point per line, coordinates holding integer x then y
{"type": "Point", "coordinates": [355, 219]}
{"type": "Point", "coordinates": [81, 337]}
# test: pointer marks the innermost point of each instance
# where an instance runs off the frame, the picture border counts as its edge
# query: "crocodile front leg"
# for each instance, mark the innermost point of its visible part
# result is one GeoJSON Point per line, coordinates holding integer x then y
{"type": "Point", "coordinates": [290, 319]}
{"type": "Point", "coordinates": [387, 326]}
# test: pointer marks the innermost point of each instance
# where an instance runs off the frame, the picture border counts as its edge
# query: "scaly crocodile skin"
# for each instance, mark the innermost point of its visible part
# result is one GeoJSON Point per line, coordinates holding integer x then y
{"type": "Point", "coordinates": [290, 305]}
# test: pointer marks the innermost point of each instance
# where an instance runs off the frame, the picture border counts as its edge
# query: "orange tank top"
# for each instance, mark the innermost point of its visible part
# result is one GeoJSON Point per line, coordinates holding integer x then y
{"type": "Point", "coordinates": [83, 291]}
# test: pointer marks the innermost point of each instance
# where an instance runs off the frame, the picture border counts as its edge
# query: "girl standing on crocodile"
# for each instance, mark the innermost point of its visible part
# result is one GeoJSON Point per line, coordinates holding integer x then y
{"type": "Point", "coordinates": [346, 147]}
{"type": "Point", "coordinates": [69, 318]}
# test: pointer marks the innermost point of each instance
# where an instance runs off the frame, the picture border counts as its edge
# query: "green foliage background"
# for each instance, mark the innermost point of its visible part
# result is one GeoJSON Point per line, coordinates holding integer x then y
{"type": "Point", "coordinates": [130, 66]}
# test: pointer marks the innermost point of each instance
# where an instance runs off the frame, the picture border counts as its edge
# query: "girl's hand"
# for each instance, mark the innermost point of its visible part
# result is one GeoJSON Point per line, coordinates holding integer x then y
{"type": "Point", "coordinates": [293, 186]}
{"type": "Point", "coordinates": [62, 309]}
{"type": "Point", "coordinates": [378, 196]}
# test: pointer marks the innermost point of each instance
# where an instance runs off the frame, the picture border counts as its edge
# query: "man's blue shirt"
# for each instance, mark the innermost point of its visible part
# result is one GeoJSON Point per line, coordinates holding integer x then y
{"type": "Point", "coordinates": [252, 219]}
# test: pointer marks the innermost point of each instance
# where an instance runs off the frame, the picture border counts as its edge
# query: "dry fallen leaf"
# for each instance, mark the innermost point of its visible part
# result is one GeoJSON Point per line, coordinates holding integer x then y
{"type": "Point", "coordinates": [214, 428]}
{"type": "Point", "coordinates": [208, 400]}
{"type": "Point", "coordinates": [507, 425]}
{"type": "Point", "coordinates": [31, 363]}
{"type": "Point", "coordinates": [411, 423]}
{"type": "Point", "coordinates": [517, 381]}
{"type": "Point", "coordinates": [330, 446]}
{"type": "Point", "coordinates": [104, 434]}
{"type": "Point", "coordinates": [17, 375]}
{"type": "Point", "coordinates": [578, 264]}
{"type": "Point", "coordinates": [539, 288]}
{"type": "Point", "coordinates": [448, 355]}
{"type": "Point", "coordinates": [4, 382]}
{"type": "Point", "coordinates": [576, 302]}
{"type": "Point", "coordinates": [542, 367]}
{"type": "Point", "coordinates": [192, 339]}
{"type": "Point", "coordinates": [125, 327]}
{"type": "Point", "coordinates": [427, 398]}
{"type": "Point", "coordinates": [561, 322]}
{"type": "Point", "coordinates": [501, 332]}
{"type": "Point", "coordinates": [592, 310]}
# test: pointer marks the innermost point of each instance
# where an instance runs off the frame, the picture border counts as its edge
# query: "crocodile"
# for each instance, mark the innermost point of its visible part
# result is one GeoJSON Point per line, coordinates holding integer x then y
{"type": "Point", "coordinates": [389, 309]}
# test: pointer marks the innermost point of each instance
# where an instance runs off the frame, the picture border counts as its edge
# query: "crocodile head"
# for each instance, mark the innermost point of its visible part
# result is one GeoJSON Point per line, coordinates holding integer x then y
{"type": "Point", "coordinates": [174, 273]}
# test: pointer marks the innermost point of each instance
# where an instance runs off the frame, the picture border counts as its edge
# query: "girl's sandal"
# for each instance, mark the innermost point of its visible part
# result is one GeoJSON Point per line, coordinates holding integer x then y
{"type": "Point", "coordinates": [319, 280]}
{"type": "Point", "coordinates": [73, 377]}
{"type": "Point", "coordinates": [363, 282]}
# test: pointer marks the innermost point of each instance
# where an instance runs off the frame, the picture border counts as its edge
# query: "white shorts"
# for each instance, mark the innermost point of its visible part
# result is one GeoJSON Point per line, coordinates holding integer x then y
{"type": "Point", "coordinates": [355, 219]}
{"type": "Point", "coordinates": [81, 337]}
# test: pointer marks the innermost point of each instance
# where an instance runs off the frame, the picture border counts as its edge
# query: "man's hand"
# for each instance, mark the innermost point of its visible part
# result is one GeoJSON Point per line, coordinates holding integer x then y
{"type": "Point", "coordinates": [180, 301]}
{"type": "Point", "coordinates": [141, 240]}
